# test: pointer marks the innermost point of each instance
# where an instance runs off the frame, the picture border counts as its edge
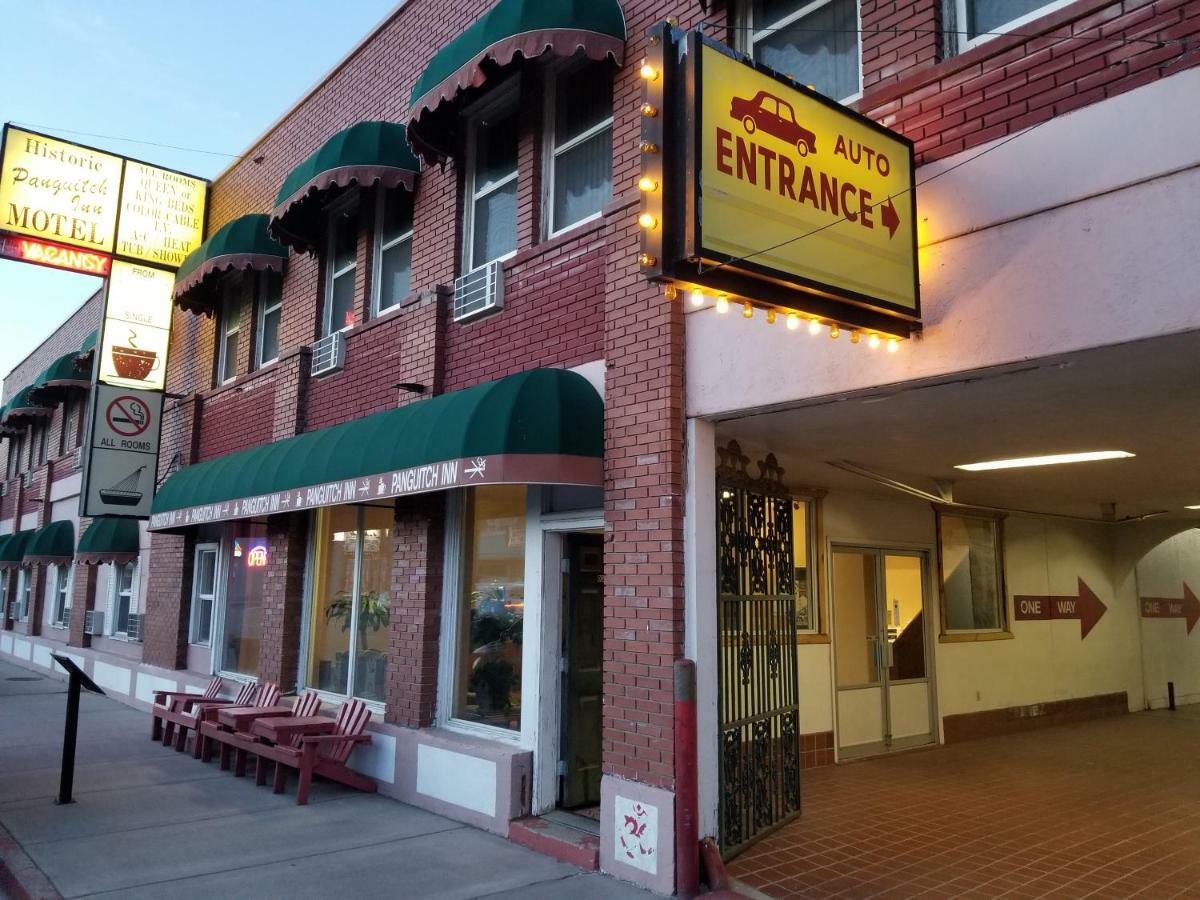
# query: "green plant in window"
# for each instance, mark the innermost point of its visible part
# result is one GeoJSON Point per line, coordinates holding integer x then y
{"type": "Point", "coordinates": [373, 613]}
{"type": "Point", "coordinates": [492, 683]}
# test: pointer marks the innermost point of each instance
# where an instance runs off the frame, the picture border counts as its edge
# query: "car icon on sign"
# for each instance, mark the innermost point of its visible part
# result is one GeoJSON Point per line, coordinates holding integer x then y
{"type": "Point", "coordinates": [775, 116]}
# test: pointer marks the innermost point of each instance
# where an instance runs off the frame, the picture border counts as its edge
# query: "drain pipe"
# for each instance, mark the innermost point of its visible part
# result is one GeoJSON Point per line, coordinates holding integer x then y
{"type": "Point", "coordinates": [687, 826]}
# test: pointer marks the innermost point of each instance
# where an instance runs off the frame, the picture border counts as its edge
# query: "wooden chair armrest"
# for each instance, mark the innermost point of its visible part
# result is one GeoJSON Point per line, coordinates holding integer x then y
{"type": "Point", "coordinates": [335, 738]}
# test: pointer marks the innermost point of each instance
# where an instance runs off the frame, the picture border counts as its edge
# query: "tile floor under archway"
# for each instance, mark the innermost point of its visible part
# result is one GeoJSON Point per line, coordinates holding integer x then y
{"type": "Point", "coordinates": [1106, 808]}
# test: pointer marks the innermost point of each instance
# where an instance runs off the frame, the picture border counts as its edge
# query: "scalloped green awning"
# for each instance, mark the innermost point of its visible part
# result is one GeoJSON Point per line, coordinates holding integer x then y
{"type": "Point", "coordinates": [366, 154]}
{"type": "Point", "coordinates": [108, 540]}
{"type": "Point", "coordinates": [89, 343]}
{"type": "Point", "coordinates": [62, 373]}
{"type": "Point", "coordinates": [242, 244]}
{"type": "Point", "coordinates": [53, 543]}
{"type": "Point", "coordinates": [24, 404]}
{"type": "Point", "coordinates": [511, 28]}
{"type": "Point", "coordinates": [12, 548]}
{"type": "Point", "coordinates": [544, 426]}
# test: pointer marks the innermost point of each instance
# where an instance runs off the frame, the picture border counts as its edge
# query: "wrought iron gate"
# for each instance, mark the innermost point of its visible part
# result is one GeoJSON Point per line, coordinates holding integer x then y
{"type": "Point", "coordinates": [759, 696]}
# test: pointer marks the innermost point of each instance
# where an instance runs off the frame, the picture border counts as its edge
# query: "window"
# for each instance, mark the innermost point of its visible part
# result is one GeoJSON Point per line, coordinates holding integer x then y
{"type": "Point", "coordinates": [4, 593]}
{"type": "Point", "coordinates": [804, 561]}
{"type": "Point", "coordinates": [270, 310]}
{"type": "Point", "coordinates": [24, 587]}
{"type": "Point", "coordinates": [122, 597]}
{"type": "Point", "coordinates": [971, 573]}
{"type": "Point", "coordinates": [204, 593]}
{"type": "Point", "coordinates": [393, 248]}
{"type": "Point", "coordinates": [580, 98]}
{"type": "Point", "coordinates": [979, 20]}
{"type": "Point", "coordinates": [491, 227]}
{"type": "Point", "coordinates": [38, 453]}
{"type": "Point", "coordinates": [230, 325]}
{"type": "Point", "coordinates": [491, 607]}
{"type": "Point", "coordinates": [241, 629]}
{"type": "Point", "coordinates": [815, 43]}
{"type": "Point", "coordinates": [61, 599]}
{"type": "Point", "coordinates": [341, 264]}
{"type": "Point", "coordinates": [349, 633]}
{"type": "Point", "coordinates": [70, 426]}
{"type": "Point", "coordinates": [16, 447]}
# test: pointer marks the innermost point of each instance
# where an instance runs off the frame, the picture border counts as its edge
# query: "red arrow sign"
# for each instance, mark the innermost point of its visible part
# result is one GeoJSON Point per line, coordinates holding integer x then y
{"type": "Point", "coordinates": [889, 217]}
{"type": "Point", "coordinates": [1086, 607]}
{"type": "Point", "coordinates": [1168, 608]}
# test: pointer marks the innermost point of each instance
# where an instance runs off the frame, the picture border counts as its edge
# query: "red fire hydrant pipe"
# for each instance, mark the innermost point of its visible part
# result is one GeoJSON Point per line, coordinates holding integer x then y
{"type": "Point", "coordinates": [687, 826]}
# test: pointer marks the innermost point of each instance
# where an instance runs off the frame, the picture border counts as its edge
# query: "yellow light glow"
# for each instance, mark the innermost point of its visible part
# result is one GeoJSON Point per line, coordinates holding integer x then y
{"type": "Point", "coordinates": [647, 185]}
{"type": "Point", "coordinates": [855, 337]}
{"type": "Point", "coordinates": [793, 321]}
{"type": "Point", "coordinates": [814, 326]}
{"type": "Point", "coordinates": [670, 292]}
{"type": "Point", "coordinates": [1054, 459]}
{"type": "Point", "coordinates": [834, 331]}
{"type": "Point", "coordinates": [747, 310]}
{"type": "Point", "coordinates": [649, 147]}
{"type": "Point", "coordinates": [893, 345]}
{"type": "Point", "coordinates": [646, 259]}
{"type": "Point", "coordinates": [771, 317]}
{"type": "Point", "coordinates": [722, 304]}
{"type": "Point", "coordinates": [873, 341]}
{"type": "Point", "coordinates": [697, 297]}
{"type": "Point", "coordinates": [648, 71]}
{"type": "Point", "coordinates": [1197, 506]}
{"type": "Point", "coordinates": [649, 110]}
{"type": "Point", "coordinates": [647, 221]}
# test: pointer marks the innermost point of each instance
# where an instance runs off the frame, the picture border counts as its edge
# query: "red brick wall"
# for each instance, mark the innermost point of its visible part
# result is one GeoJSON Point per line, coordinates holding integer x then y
{"type": "Point", "coordinates": [237, 418]}
{"type": "Point", "coordinates": [283, 599]}
{"type": "Point", "coordinates": [168, 600]}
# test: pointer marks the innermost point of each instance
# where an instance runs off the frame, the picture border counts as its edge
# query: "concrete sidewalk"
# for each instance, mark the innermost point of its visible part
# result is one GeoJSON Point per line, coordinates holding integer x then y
{"type": "Point", "coordinates": [149, 822]}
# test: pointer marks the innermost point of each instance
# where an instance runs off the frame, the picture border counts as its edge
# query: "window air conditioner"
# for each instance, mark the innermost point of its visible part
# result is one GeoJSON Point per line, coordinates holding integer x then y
{"type": "Point", "coordinates": [93, 622]}
{"type": "Point", "coordinates": [329, 354]}
{"type": "Point", "coordinates": [3, 488]}
{"type": "Point", "coordinates": [26, 479]}
{"type": "Point", "coordinates": [479, 291]}
{"type": "Point", "coordinates": [77, 458]}
{"type": "Point", "coordinates": [133, 627]}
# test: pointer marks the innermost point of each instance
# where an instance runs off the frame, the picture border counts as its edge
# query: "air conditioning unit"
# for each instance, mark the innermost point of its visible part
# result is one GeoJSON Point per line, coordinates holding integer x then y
{"type": "Point", "coordinates": [3, 488]}
{"type": "Point", "coordinates": [93, 622]}
{"type": "Point", "coordinates": [329, 354]}
{"type": "Point", "coordinates": [479, 291]}
{"type": "Point", "coordinates": [77, 458]}
{"type": "Point", "coordinates": [133, 626]}
{"type": "Point", "coordinates": [26, 479]}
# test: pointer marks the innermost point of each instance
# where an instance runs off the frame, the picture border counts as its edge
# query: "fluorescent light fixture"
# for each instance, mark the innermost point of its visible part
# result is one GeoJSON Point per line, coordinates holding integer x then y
{"type": "Point", "coordinates": [1197, 506]}
{"type": "Point", "coordinates": [1052, 460]}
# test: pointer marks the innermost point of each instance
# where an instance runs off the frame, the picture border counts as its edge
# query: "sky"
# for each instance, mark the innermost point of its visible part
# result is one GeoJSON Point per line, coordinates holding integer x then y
{"type": "Point", "coordinates": [184, 85]}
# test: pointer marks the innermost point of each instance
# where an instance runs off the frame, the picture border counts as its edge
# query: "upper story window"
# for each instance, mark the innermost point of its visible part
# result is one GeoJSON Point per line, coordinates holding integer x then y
{"type": "Point", "coordinates": [580, 120]}
{"type": "Point", "coordinates": [393, 249]}
{"type": "Point", "coordinates": [229, 325]}
{"type": "Point", "coordinates": [979, 20]}
{"type": "Point", "coordinates": [269, 311]}
{"type": "Point", "coordinates": [341, 264]}
{"type": "Point", "coordinates": [69, 436]}
{"type": "Point", "coordinates": [491, 210]}
{"type": "Point", "coordinates": [122, 597]}
{"type": "Point", "coordinates": [16, 449]}
{"type": "Point", "coordinates": [815, 43]}
{"type": "Point", "coordinates": [40, 430]}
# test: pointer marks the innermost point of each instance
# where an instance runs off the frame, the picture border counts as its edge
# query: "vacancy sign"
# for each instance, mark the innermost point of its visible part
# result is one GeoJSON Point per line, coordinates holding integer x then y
{"type": "Point", "coordinates": [123, 452]}
{"type": "Point", "coordinates": [137, 327]}
{"type": "Point", "coordinates": [796, 188]}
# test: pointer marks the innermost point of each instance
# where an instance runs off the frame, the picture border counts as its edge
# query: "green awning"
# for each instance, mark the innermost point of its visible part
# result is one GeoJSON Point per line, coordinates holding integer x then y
{"type": "Point", "coordinates": [511, 28]}
{"type": "Point", "coordinates": [109, 540]}
{"type": "Point", "coordinates": [63, 373]}
{"type": "Point", "coordinates": [24, 405]}
{"type": "Point", "coordinates": [242, 244]}
{"type": "Point", "coordinates": [53, 543]}
{"type": "Point", "coordinates": [89, 343]}
{"type": "Point", "coordinates": [544, 426]}
{"type": "Point", "coordinates": [12, 548]}
{"type": "Point", "coordinates": [368, 153]}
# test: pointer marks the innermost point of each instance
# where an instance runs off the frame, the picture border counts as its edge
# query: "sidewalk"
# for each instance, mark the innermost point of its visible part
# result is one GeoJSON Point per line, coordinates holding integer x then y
{"type": "Point", "coordinates": [149, 822]}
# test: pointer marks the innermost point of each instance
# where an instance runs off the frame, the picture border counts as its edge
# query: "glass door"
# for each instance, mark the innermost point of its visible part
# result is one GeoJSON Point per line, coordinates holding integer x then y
{"type": "Point", "coordinates": [879, 639]}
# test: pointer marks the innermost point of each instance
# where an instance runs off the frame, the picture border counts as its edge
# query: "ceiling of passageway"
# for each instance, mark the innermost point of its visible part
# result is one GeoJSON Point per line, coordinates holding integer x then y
{"type": "Point", "coordinates": [1142, 397]}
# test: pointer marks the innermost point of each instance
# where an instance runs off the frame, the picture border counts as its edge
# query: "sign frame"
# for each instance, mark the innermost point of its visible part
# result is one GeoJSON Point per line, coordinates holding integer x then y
{"type": "Point", "coordinates": [102, 396]}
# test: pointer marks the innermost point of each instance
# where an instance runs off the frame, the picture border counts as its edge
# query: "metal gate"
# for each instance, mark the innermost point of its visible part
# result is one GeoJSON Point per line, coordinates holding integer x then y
{"type": "Point", "coordinates": [759, 696]}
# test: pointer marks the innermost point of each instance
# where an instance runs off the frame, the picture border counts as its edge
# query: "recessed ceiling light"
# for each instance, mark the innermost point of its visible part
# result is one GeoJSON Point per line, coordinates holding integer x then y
{"type": "Point", "coordinates": [1052, 460]}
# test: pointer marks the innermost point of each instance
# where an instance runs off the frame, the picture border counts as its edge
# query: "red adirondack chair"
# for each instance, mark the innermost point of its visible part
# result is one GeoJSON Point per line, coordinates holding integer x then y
{"type": "Point", "coordinates": [165, 700]}
{"type": "Point", "coordinates": [212, 730]}
{"type": "Point", "coordinates": [243, 743]}
{"type": "Point", "coordinates": [186, 714]}
{"type": "Point", "coordinates": [324, 754]}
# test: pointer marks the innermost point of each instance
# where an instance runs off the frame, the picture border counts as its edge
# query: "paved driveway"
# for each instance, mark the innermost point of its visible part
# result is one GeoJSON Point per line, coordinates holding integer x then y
{"type": "Point", "coordinates": [1108, 808]}
{"type": "Point", "coordinates": [149, 822]}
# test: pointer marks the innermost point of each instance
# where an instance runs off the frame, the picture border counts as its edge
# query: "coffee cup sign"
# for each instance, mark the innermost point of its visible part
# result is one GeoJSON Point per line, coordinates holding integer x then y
{"type": "Point", "coordinates": [136, 327]}
{"type": "Point", "coordinates": [132, 362]}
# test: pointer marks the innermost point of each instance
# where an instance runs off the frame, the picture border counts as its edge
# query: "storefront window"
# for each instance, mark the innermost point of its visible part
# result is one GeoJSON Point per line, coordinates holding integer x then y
{"type": "Point", "coordinates": [491, 607]}
{"type": "Point", "coordinates": [804, 562]}
{"type": "Point", "coordinates": [972, 599]}
{"type": "Point", "coordinates": [241, 638]}
{"type": "Point", "coordinates": [351, 601]}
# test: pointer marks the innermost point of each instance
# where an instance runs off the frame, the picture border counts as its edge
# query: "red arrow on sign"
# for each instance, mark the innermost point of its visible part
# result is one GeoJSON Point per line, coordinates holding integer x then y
{"type": "Point", "coordinates": [1168, 608]}
{"type": "Point", "coordinates": [1086, 607]}
{"type": "Point", "coordinates": [889, 217]}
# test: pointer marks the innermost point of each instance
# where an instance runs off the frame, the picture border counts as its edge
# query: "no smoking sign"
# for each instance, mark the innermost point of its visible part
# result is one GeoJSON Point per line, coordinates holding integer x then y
{"type": "Point", "coordinates": [128, 416]}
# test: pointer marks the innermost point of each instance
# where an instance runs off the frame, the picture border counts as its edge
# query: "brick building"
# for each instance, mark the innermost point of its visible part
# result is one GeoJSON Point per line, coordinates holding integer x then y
{"type": "Point", "coordinates": [417, 371]}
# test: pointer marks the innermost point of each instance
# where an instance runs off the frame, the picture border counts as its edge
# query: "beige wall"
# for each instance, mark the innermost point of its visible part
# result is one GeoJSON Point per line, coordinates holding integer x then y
{"type": "Point", "coordinates": [1169, 652]}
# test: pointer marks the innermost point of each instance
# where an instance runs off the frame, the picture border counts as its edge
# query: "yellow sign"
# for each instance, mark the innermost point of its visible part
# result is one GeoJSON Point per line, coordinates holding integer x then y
{"type": "Point", "coordinates": [137, 327]}
{"type": "Point", "coordinates": [162, 215]}
{"type": "Point", "coordinates": [59, 191]}
{"type": "Point", "coordinates": [798, 188]}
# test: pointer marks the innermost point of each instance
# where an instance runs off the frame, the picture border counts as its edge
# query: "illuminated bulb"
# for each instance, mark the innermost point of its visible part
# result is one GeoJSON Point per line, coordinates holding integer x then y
{"type": "Point", "coordinates": [834, 331]}
{"type": "Point", "coordinates": [649, 147]}
{"type": "Point", "coordinates": [647, 221]}
{"type": "Point", "coordinates": [793, 321]}
{"type": "Point", "coordinates": [893, 345]}
{"type": "Point", "coordinates": [770, 317]}
{"type": "Point", "coordinates": [647, 185]}
{"type": "Point", "coordinates": [855, 337]}
{"type": "Point", "coordinates": [646, 259]}
{"type": "Point", "coordinates": [722, 304]}
{"type": "Point", "coordinates": [649, 110]}
{"type": "Point", "coordinates": [697, 297]}
{"type": "Point", "coordinates": [873, 341]}
{"type": "Point", "coordinates": [747, 310]}
{"type": "Point", "coordinates": [669, 292]}
{"type": "Point", "coordinates": [648, 71]}
{"type": "Point", "coordinates": [814, 326]}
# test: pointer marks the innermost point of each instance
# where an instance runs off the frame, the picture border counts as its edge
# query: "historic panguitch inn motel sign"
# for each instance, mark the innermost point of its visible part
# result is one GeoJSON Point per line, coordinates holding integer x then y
{"type": "Point", "coordinates": [67, 206]}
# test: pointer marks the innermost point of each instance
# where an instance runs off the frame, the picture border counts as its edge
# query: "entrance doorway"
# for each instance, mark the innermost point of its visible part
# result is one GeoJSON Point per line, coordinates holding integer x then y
{"type": "Point", "coordinates": [581, 667]}
{"type": "Point", "coordinates": [881, 650]}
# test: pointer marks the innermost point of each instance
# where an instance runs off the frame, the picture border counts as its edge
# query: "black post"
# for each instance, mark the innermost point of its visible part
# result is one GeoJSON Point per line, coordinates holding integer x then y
{"type": "Point", "coordinates": [1171, 696]}
{"type": "Point", "coordinates": [70, 732]}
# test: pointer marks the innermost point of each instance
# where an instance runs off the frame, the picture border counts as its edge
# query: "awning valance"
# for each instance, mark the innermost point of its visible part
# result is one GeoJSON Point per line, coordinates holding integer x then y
{"type": "Point", "coordinates": [510, 29]}
{"type": "Point", "coordinates": [53, 543]}
{"type": "Point", "coordinates": [109, 540]}
{"type": "Point", "coordinates": [12, 548]}
{"type": "Point", "coordinates": [544, 426]}
{"type": "Point", "coordinates": [89, 343]}
{"type": "Point", "coordinates": [63, 373]}
{"type": "Point", "coordinates": [242, 244]}
{"type": "Point", "coordinates": [23, 406]}
{"type": "Point", "coordinates": [366, 154]}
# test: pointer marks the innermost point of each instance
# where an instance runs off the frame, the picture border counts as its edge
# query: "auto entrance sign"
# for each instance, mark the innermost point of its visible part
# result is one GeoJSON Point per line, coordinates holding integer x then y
{"type": "Point", "coordinates": [123, 452]}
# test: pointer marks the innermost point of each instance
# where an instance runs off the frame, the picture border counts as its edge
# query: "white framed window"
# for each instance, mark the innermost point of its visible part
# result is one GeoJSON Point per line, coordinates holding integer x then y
{"type": "Point", "coordinates": [270, 311]}
{"type": "Point", "coordinates": [393, 249]}
{"type": "Point", "coordinates": [982, 20]}
{"type": "Point", "coordinates": [229, 327]}
{"type": "Point", "coordinates": [16, 447]}
{"type": "Point", "coordinates": [123, 576]}
{"type": "Point", "coordinates": [341, 265]}
{"type": "Point", "coordinates": [490, 228]}
{"type": "Point", "coordinates": [971, 570]}
{"type": "Point", "coordinates": [70, 426]}
{"type": "Point", "coordinates": [579, 116]}
{"type": "Point", "coordinates": [3, 593]}
{"type": "Point", "coordinates": [814, 42]}
{"type": "Point", "coordinates": [24, 590]}
{"type": "Point", "coordinates": [60, 596]}
{"type": "Point", "coordinates": [204, 593]}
